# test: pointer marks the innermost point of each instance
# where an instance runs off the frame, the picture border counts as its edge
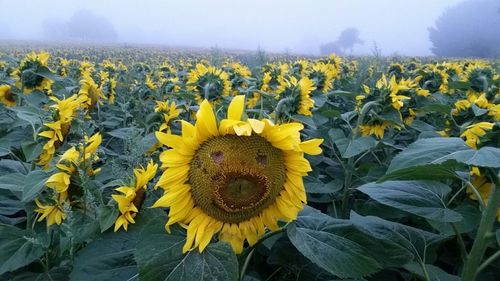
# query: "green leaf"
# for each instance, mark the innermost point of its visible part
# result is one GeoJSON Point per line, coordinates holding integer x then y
{"type": "Point", "coordinates": [305, 120]}
{"type": "Point", "coordinates": [435, 273]}
{"type": "Point", "coordinates": [111, 257]}
{"type": "Point", "coordinates": [159, 257]}
{"type": "Point", "coordinates": [125, 133]}
{"type": "Point", "coordinates": [484, 157]}
{"type": "Point", "coordinates": [31, 150]}
{"type": "Point", "coordinates": [13, 182]}
{"type": "Point", "coordinates": [28, 114]}
{"type": "Point", "coordinates": [332, 186]}
{"type": "Point", "coordinates": [147, 142]}
{"type": "Point", "coordinates": [19, 247]}
{"type": "Point", "coordinates": [436, 107]}
{"type": "Point", "coordinates": [422, 198]}
{"type": "Point", "coordinates": [33, 184]}
{"type": "Point", "coordinates": [45, 72]}
{"type": "Point", "coordinates": [425, 172]}
{"type": "Point", "coordinates": [426, 151]}
{"type": "Point", "coordinates": [352, 147]}
{"type": "Point", "coordinates": [107, 216]}
{"type": "Point", "coordinates": [414, 240]}
{"type": "Point", "coordinates": [471, 217]}
{"type": "Point", "coordinates": [335, 254]}
{"type": "Point", "coordinates": [460, 85]}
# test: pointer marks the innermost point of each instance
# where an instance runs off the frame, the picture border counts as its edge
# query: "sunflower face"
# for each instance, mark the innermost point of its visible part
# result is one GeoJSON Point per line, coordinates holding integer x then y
{"type": "Point", "coordinates": [234, 178]}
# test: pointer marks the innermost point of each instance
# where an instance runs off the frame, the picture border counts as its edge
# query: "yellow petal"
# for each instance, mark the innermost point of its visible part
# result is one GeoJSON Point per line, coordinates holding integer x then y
{"type": "Point", "coordinates": [236, 108]}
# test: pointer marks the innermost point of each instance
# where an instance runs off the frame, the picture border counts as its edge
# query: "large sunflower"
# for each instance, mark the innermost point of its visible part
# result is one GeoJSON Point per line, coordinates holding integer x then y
{"type": "Point", "coordinates": [236, 178]}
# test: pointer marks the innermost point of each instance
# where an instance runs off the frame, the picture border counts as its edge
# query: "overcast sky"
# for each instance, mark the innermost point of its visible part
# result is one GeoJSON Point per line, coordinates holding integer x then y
{"type": "Point", "coordinates": [398, 26]}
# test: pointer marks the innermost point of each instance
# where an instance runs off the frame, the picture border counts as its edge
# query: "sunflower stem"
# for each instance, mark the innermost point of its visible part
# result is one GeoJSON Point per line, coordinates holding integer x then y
{"type": "Point", "coordinates": [476, 254]}
{"type": "Point", "coordinates": [277, 111]}
{"type": "Point", "coordinates": [245, 264]}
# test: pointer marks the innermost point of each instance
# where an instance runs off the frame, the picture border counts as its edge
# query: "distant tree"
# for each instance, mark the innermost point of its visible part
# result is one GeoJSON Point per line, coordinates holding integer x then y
{"type": "Point", "coordinates": [55, 30]}
{"type": "Point", "coordinates": [469, 29]}
{"type": "Point", "coordinates": [329, 48]}
{"type": "Point", "coordinates": [86, 26]}
{"type": "Point", "coordinates": [348, 38]}
{"type": "Point", "coordinates": [346, 41]}
{"type": "Point", "coordinates": [83, 25]}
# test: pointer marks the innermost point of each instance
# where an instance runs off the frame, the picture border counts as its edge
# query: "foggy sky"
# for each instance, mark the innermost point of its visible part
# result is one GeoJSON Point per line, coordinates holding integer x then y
{"type": "Point", "coordinates": [274, 25]}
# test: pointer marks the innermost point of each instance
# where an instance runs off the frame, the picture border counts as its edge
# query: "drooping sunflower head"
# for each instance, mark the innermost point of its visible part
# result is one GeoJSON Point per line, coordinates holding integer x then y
{"type": "Point", "coordinates": [479, 78]}
{"type": "Point", "coordinates": [322, 75]}
{"type": "Point", "coordinates": [295, 97]}
{"type": "Point", "coordinates": [235, 178]}
{"type": "Point", "coordinates": [299, 67]}
{"type": "Point", "coordinates": [7, 98]}
{"type": "Point", "coordinates": [29, 68]}
{"type": "Point", "coordinates": [208, 82]}
{"type": "Point", "coordinates": [90, 90]}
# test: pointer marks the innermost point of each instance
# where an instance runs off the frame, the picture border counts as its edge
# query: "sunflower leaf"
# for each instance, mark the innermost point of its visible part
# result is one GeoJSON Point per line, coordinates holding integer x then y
{"type": "Point", "coordinates": [159, 257]}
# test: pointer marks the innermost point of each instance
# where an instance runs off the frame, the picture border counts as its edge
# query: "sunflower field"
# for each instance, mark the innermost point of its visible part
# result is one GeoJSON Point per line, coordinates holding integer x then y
{"type": "Point", "coordinates": [127, 163]}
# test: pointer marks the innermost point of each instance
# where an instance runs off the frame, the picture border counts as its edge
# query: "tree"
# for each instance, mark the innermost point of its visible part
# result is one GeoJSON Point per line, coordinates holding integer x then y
{"type": "Point", "coordinates": [469, 29]}
{"type": "Point", "coordinates": [83, 25]}
{"type": "Point", "coordinates": [346, 41]}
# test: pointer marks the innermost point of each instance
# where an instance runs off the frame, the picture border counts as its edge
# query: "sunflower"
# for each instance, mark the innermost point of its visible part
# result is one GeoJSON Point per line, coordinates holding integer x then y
{"type": "Point", "coordinates": [131, 196]}
{"type": "Point", "coordinates": [170, 112]}
{"type": "Point", "coordinates": [150, 83]}
{"type": "Point", "coordinates": [235, 179]}
{"type": "Point", "coordinates": [376, 129]}
{"type": "Point", "coordinates": [474, 132]}
{"type": "Point", "coordinates": [90, 90]}
{"type": "Point", "coordinates": [60, 182]}
{"type": "Point", "coordinates": [32, 64]}
{"type": "Point", "coordinates": [55, 131]}
{"type": "Point", "coordinates": [323, 74]}
{"type": "Point", "coordinates": [208, 82]}
{"type": "Point", "coordinates": [54, 212]}
{"type": "Point", "coordinates": [263, 85]}
{"type": "Point", "coordinates": [296, 96]}
{"type": "Point", "coordinates": [6, 96]}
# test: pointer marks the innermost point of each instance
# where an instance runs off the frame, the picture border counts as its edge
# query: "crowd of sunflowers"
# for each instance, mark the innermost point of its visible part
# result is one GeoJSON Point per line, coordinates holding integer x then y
{"type": "Point", "coordinates": [242, 149]}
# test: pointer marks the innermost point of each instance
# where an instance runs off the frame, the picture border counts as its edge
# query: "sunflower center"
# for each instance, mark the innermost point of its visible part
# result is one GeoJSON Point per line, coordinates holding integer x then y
{"type": "Point", "coordinates": [235, 178]}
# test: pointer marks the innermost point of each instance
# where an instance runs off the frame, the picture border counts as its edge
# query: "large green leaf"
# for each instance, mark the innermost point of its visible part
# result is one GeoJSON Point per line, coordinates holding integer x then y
{"type": "Point", "coordinates": [385, 252]}
{"type": "Point", "coordinates": [426, 151]}
{"type": "Point", "coordinates": [111, 257]}
{"type": "Point", "coordinates": [424, 172]}
{"type": "Point", "coordinates": [13, 182]}
{"type": "Point", "coordinates": [33, 184]}
{"type": "Point", "coordinates": [335, 254]}
{"type": "Point", "coordinates": [352, 147]}
{"type": "Point", "coordinates": [328, 243]}
{"type": "Point", "coordinates": [412, 239]}
{"type": "Point", "coordinates": [31, 150]}
{"type": "Point", "coordinates": [484, 157]}
{"type": "Point", "coordinates": [471, 217]}
{"type": "Point", "coordinates": [422, 198]}
{"type": "Point", "coordinates": [19, 247]}
{"type": "Point", "coordinates": [435, 273]}
{"type": "Point", "coordinates": [159, 257]}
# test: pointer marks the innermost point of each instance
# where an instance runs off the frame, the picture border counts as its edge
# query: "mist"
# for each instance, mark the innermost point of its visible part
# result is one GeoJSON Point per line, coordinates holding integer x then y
{"type": "Point", "coordinates": [294, 26]}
